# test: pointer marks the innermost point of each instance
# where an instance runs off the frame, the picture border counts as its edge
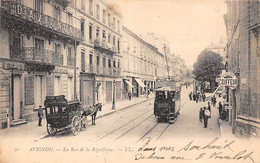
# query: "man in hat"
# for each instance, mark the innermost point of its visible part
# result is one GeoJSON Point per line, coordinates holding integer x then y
{"type": "Point", "coordinates": [40, 115]}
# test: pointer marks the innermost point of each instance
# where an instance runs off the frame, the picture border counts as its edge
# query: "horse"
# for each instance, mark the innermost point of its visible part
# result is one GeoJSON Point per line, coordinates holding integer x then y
{"type": "Point", "coordinates": [92, 111]}
{"type": "Point", "coordinates": [98, 107]}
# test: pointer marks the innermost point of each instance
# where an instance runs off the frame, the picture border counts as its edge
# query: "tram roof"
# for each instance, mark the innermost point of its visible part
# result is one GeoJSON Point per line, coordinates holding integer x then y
{"type": "Point", "coordinates": [165, 89]}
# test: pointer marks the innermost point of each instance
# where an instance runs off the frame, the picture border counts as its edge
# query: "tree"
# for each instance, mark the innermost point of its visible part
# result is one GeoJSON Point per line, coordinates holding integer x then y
{"type": "Point", "coordinates": [208, 67]}
{"type": "Point", "coordinates": [189, 73]}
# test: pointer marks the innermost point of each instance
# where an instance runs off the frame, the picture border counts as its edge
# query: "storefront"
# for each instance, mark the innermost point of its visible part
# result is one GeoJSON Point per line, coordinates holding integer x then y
{"type": "Point", "coordinates": [229, 82]}
{"type": "Point", "coordinates": [140, 87]}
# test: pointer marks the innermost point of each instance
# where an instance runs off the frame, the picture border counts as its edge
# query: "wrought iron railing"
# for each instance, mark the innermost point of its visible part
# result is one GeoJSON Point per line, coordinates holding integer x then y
{"type": "Point", "coordinates": [70, 61]}
{"type": "Point", "coordinates": [108, 71]}
{"type": "Point", "coordinates": [103, 70]}
{"type": "Point", "coordinates": [119, 70]}
{"type": "Point", "coordinates": [41, 55]}
{"type": "Point", "coordinates": [32, 15]}
{"type": "Point", "coordinates": [103, 44]}
{"type": "Point", "coordinates": [99, 70]}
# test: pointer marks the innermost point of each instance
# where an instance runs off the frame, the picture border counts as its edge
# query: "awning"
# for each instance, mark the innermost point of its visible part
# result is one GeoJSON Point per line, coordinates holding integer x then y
{"type": "Point", "coordinates": [127, 82]}
{"type": "Point", "coordinates": [140, 83]}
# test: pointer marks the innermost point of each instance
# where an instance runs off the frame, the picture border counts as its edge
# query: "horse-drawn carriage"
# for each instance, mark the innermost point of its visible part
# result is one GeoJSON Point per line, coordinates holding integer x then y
{"type": "Point", "coordinates": [63, 115]}
{"type": "Point", "coordinates": [167, 103]}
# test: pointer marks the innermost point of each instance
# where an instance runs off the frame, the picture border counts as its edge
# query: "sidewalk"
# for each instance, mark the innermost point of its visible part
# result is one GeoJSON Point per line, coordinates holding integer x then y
{"type": "Point", "coordinates": [225, 128]}
{"type": "Point", "coordinates": [33, 131]}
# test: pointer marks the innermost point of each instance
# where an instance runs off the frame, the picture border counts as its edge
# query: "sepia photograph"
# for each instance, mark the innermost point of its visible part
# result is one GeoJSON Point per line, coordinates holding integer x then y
{"type": "Point", "coordinates": [129, 81]}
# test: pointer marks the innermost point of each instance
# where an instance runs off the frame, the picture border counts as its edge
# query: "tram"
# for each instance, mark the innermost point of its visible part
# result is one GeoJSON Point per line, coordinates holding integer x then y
{"type": "Point", "coordinates": [167, 103]}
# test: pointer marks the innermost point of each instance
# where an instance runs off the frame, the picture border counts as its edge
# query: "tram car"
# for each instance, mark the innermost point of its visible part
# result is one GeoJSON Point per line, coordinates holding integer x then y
{"type": "Point", "coordinates": [63, 115]}
{"type": "Point", "coordinates": [167, 102]}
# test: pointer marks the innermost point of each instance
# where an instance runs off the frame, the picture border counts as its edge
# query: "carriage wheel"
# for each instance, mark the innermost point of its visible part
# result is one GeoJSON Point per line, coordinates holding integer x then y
{"type": "Point", "coordinates": [75, 125]}
{"type": "Point", "coordinates": [84, 123]}
{"type": "Point", "coordinates": [51, 131]}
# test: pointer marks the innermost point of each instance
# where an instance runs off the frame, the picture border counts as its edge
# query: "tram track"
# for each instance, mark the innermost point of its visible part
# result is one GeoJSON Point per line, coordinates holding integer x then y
{"type": "Point", "coordinates": [124, 125]}
{"type": "Point", "coordinates": [149, 131]}
{"type": "Point", "coordinates": [165, 128]}
{"type": "Point", "coordinates": [132, 128]}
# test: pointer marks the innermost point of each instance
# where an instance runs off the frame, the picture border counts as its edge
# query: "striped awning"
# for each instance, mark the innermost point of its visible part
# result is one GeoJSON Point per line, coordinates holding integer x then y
{"type": "Point", "coordinates": [140, 83]}
{"type": "Point", "coordinates": [128, 83]}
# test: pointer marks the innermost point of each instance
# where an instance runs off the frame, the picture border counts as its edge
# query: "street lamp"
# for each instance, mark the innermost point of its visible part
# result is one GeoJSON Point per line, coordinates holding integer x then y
{"type": "Point", "coordinates": [114, 91]}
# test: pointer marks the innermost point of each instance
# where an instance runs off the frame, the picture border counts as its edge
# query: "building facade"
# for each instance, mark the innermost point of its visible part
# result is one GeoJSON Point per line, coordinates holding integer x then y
{"type": "Point", "coordinates": [99, 59]}
{"type": "Point", "coordinates": [37, 58]}
{"type": "Point", "coordinates": [243, 27]}
{"type": "Point", "coordinates": [143, 64]}
{"type": "Point", "coordinates": [218, 48]}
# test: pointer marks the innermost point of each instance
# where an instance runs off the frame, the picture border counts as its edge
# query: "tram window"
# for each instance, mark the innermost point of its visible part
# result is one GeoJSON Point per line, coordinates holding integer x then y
{"type": "Point", "coordinates": [160, 96]}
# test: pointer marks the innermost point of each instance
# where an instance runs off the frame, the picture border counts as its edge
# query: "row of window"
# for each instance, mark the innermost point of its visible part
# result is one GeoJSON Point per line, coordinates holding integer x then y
{"type": "Point", "coordinates": [106, 61]}
{"type": "Point", "coordinates": [107, 37]}
{"type": "Point", "coordinates": [106, 16]}
{"type": "Point", "coordinates": [57, 11]}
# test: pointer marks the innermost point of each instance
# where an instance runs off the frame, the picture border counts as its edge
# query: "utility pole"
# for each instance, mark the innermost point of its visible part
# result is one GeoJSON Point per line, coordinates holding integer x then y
{"type": "Point", "coordinates": [166, 59]}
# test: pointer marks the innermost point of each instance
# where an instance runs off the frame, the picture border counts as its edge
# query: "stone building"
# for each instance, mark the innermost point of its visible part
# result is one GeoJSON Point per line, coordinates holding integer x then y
{"type": "Point", "coordinates": [163, 46]}
{"type": "Point", "coordinates": [174, 65]}
{"type": "Point", "coordinates": [243, 26]}
{"type": "Point", "coordinates": [180, 69]}
{"type": "Point", "coordinates": [37, 56]}
{"type": "Point", "coordinates": [99, 58]}
{"type": "Point", "coordinates": [143, 64]}
{"type": "Point", "coordinates": [218, 48]}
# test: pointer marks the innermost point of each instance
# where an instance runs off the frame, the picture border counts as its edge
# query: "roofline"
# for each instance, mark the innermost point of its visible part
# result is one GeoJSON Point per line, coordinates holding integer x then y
{"type": "Point", "coordinates": [141, 40]}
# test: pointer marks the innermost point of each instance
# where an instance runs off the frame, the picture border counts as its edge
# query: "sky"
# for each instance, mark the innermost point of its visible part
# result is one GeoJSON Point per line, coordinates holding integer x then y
{"type": "Point", "coordinates": [188, 25]}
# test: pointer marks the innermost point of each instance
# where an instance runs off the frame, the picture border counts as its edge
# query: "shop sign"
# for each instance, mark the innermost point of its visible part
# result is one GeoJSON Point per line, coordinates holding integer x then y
{"type": "Point", "coordinates": [228, 107]}
{"type": "Point", "coordinates": [227, 79]}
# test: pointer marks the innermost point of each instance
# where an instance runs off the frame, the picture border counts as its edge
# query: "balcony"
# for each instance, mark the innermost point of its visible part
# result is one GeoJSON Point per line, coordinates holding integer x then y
{"type": "Point", "coordinates": [107, 71]}
{"type": "Point", "coordinates": [104, 46]}
{"type": "Point", "coordinates": [43, 56]}
{"type": "Point", "coordinates": [16, 11]}
{"type": "Point", "coordinates": [70, 61]}
{"type": "Point", "coordinates": [37, 59]}
{"type": "Point", "coordinates": [31, 54]}
{"type": "Point", "coordinates": [118, 71]}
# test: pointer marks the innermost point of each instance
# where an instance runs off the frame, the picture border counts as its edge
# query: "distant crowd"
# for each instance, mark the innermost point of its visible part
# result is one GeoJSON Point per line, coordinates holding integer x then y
{"type": "Point", "coordinates": [205, 112]}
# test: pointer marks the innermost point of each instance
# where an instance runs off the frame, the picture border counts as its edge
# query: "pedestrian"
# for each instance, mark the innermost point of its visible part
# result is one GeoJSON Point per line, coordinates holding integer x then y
{"type": "Point", "coordinates": [194, 96]}
{"type": "Point", "coordinates": [209, 109]}
{"type": "Point", "coordinates": [190, 96]}
{"type": "Point", "coordinates": [220, 107]}
{"type": "Point", "coordinates": [40, 115]}
{"type": "Point", "coordinates": [201, 115]}
{"type": "Point", "coordinates": [214, 100]}
{"type": "Point", "coordinates": [203, 96]}
{"type": "Point", "coordinates": [148, 92]}
{"type": "Point", "coordinates": [197, 97]}
{"type": "Point", "coordinates": [206, 117]}
{"type": "Point", "coordinates": [129, 95]}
